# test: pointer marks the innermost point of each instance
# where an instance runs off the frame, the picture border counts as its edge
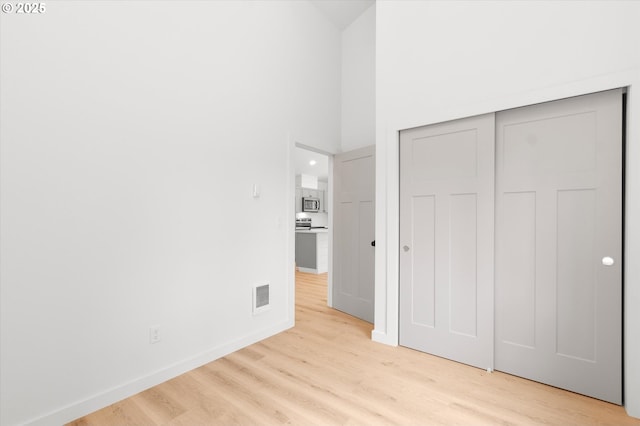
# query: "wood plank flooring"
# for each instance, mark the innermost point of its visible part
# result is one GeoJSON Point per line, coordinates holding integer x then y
{"type": "Point", "coordinates": [327, 371]}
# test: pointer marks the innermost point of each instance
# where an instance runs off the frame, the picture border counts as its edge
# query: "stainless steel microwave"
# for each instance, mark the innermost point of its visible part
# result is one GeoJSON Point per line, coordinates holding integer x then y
{"type": "Point", "coordinates": [310, 204]}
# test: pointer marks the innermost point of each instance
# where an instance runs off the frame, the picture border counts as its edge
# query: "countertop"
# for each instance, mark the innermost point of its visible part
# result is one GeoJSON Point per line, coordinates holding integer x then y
{"type": "Point", "coordinates": [312, 231]}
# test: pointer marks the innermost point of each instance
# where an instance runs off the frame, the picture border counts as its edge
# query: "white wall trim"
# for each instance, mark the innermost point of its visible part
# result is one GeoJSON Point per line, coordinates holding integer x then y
{"type": "Point", "coordinates": [384, 338]}
{"type": "Point", "coordinates": [110, 396]}
{"type": "Point", "coordinates": [311, 148]}
{"type": "Point", "coordinates": [290, 225]}
{"type": "Point", "coordinates": [329, 197]}
{"type": "Point", "coordinates": [516, 100]}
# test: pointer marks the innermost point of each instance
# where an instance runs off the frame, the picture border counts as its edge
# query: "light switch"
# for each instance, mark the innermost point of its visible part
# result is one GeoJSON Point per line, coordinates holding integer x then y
{"type": "Point", "coordinates": [256, 190]}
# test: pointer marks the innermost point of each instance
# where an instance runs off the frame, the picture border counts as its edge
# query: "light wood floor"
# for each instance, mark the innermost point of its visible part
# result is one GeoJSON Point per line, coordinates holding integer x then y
{"type": "Point", "coordinates": [326, 370]}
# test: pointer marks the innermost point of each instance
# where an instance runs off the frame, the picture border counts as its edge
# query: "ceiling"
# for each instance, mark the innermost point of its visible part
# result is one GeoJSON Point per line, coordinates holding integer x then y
{"type": "Point", "coordinates": [320, 169]}
{"type": "Point", "coordinates": [341, 13]}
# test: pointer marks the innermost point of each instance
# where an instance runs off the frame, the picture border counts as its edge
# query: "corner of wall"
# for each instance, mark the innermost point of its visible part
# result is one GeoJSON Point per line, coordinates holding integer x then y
{"type": "Point", "coordinates": [382, 337]}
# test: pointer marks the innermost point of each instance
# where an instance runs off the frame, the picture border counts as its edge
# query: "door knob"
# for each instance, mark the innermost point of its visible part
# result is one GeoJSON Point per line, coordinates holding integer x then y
{"type": "Point", "coordinates": [608, 261]}
{"type": "Point", "coordinates": [373, 243]}
{"type": "Point", "coordinates": [405, 248]}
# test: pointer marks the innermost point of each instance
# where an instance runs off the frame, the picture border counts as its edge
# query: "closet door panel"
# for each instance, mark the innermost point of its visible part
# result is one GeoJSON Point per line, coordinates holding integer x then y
{"type": "Point", "coordinates": [558, 214]}
{"type": "Point", "coordinates": [446, 249]}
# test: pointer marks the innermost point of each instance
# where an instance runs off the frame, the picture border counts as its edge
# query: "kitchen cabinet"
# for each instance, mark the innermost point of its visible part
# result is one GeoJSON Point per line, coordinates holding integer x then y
{"type": "Point", "coordinates": [312, 251]}
{"type": "Point", "coordinates": [306, 192]}
{"type": "Point", "coordinates": [321, 193]}
{"type": "Point", "coordinates": [298, 201]}
{"type": "Point", "coordinates": [325, 201]}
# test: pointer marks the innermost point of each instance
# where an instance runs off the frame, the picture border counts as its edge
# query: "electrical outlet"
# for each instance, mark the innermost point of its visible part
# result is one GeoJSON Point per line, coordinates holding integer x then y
{"type": "Point", "coordinates": [154, 334]}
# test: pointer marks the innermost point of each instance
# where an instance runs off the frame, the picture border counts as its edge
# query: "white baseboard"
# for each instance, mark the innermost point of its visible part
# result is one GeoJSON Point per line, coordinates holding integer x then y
{"type": "Point", "coordinates": [308, 270]}
{"type": "Point", "coordinates": [93, 403]}
{"type": "Point", "coordinates": [380, 337]}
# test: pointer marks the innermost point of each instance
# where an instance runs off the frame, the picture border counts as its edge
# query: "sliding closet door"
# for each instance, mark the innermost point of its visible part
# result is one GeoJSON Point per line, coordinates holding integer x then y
{"type": "Point", "coordinates": [558, 244]}
{"type": "Point", "coordinates": [446, 239]}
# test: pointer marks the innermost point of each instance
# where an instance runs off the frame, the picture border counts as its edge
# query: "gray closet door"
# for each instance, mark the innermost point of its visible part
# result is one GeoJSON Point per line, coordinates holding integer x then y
{"type": "Point", "coordinates": [558, 229]}
{"type": "Point", "coordinates": [353, 232]}
{"type": "Point", "coordinates": [446, 239]}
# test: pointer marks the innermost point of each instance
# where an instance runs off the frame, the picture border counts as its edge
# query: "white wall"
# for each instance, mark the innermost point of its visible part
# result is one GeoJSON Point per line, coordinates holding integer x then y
{"type": "Point", "coordinates": [437, 61]}
{"type": "Point", "coordinates": [312, 74]}
{"type": "Point", "coordinates": [132, 133]}
{"type": "Point", "coordinates": [358, 82]}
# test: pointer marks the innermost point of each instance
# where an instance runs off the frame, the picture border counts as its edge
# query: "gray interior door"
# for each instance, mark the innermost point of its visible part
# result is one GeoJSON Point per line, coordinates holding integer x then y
{"type": "Point", "coordinates": [558, 244]}
{"type": "Point", "coordinates": [354, 232]}
{"type": "Point", "coordinates": [446, 239]}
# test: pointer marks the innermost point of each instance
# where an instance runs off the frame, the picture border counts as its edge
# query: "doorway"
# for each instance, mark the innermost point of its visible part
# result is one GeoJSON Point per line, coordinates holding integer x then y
{"type": "Point", "coordinates": [348, 206]}
{"type": "Point", "coordinates": [313, 233]}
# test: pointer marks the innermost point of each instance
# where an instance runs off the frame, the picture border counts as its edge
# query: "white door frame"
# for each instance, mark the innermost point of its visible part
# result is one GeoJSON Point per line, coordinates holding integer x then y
{"type": "Point", "coordinates": [388, 191]}
{"type": "Point", "coordinates": [388, 209]}
{"type": "Point", "coordinates": [293, 145]}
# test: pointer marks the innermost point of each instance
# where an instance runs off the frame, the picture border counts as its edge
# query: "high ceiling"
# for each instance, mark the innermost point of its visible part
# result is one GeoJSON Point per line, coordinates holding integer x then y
{"type": "Point", "coordinates": [342, 12]}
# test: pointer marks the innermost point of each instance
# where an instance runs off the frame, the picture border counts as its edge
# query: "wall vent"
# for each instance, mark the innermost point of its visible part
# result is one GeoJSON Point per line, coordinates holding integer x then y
{"type": "Point", "coordinates": [260, 298]}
